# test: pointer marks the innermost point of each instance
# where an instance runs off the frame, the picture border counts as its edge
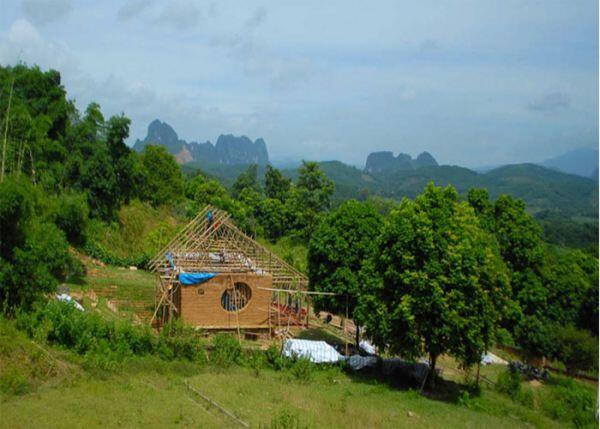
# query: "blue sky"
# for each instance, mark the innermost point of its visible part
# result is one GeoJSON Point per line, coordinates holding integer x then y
{"type": "Point", "coordinates": [473, 82]}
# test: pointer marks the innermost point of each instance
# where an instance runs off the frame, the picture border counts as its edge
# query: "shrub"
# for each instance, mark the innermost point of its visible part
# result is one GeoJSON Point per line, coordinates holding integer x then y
{"type": "Point", "coordinates": [34, 253]}
{"type": "Point", "coordinates": [71, 215]}
{"type": "Point", "coordinates": [14, 382]}
{"type": "Point", "coordinates": [509, 383]}
{"type": "Point", "coordinates": [576, 348]}
{"type": "Point", "coordinates": [179, 341]}
{"type": "Point", "coordinates": [274, 358]}
{"type": "Point", "coordinates": [226, 351]}
{"type": "Point", "coordinates": [256, 360]}
{"type": "Point", "coordinates": [105, 343]}
{"type": "Point", "coordinates": [570, 401]}
{"type": "Point", "coordinates": [302, 370]}
{"type": "Point", "coordinates": [284, 419]}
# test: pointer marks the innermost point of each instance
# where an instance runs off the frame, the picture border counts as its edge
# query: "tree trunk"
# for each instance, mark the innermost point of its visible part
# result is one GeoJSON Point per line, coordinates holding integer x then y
{"type": "Point", "coordinates": [431, 373]}
{"type": "Point", "coordinates": [357, 337]}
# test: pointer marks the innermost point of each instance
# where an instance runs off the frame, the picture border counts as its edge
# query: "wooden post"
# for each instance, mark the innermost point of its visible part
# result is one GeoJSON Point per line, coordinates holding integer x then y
{"type": "Point", "coordinates": [237, 309]}
{"type": "Point", "coordinates": [307, 310]}
{"type": "Point", "coordinates": [278, 314]}
{"type": "Point", "coordinates": [269, 311]}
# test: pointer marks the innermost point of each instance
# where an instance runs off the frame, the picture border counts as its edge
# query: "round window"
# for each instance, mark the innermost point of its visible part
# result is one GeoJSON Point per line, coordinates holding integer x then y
{"type": "Point", "coordinates": [237, 297]}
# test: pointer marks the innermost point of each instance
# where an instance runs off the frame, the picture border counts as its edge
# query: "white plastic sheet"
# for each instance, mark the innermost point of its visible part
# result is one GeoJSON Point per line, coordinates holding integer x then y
{"type": "Point", "coordinates": [490, 358]}
{"type": "Point", "coordinates": [358, 362]}
{"type": "Point", "coordinates": [367, 347]}
{"type": "Point", "coordinates": [67, 298]}
{"type": "Point", "coordinates": [315, 351]}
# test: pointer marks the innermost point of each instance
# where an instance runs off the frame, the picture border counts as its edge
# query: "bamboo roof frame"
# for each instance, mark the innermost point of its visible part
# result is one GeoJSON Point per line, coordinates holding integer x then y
{"type": "Point", "coordinates": [219, 246]}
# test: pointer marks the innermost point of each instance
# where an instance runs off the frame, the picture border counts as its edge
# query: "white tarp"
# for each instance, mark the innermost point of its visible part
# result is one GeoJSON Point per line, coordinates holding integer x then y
{"type": "Point", "coordinates": [358, 362]}
{"type": "Point", "coordinates": [367, 347]}
{"type": "Point", "coordinates": [315, 351]}
{"type": "Point", "coordinates": [67, 298]}
{"type": "Point", "coordinates": [490, 358]}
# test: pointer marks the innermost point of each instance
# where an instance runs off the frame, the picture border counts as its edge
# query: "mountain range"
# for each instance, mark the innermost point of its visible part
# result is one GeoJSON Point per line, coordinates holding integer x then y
{"type": "Point", "coordinates": [545, 188]}
{"type": "Point", "coordinates": [228, 150]}
{"type": "Point", "coordinates": [383, 162]}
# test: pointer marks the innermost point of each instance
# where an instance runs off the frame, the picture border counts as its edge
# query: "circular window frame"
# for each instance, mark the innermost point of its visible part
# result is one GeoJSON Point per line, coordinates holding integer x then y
{"type": "Point", "coordinates": [244, 293]}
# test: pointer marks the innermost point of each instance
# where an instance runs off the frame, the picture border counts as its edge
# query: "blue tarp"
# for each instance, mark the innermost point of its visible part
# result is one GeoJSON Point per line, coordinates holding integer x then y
{"type": "Point", "coordinates": [195, 278]}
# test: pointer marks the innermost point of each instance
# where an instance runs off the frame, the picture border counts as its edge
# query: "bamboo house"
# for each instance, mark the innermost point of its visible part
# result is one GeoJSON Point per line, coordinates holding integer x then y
{"type": "Point", "coordinates": [213, 276]}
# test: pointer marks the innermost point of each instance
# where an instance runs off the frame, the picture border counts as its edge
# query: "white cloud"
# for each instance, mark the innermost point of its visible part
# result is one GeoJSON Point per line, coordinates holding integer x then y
{"type": "Point", "coordinates": [22, 42]}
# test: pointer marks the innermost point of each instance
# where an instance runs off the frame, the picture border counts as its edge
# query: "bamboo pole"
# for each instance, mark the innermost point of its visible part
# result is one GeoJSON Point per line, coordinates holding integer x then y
{"type": "Point", "coordinates": [345, 323]}
{"type": "Point", "coordinates": [237, 309]}
{"type": "Point", "coordinates": [6, 120]}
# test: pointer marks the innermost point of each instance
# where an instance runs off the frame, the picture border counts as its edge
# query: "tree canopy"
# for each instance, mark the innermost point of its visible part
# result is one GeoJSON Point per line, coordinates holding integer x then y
{"type": "Point", "coordinates": [437, 283]}
{"type": "Point", "coordinates": [338, 248]}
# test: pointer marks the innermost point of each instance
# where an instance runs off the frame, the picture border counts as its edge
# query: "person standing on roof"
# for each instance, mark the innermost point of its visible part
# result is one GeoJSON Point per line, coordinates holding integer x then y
{"type": "Point", "coordinates": [209, 218]}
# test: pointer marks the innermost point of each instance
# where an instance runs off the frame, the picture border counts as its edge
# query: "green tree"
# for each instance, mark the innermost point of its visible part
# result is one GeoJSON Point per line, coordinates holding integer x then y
{"type": "Point", "coordinates": [99, 180]}
{"type": "Point", "coordinates": [205, 191]}
{"type": "Point", "coordinates": [436, 282]}
{"type": "Point", "coordinates": [273, 218]}
{"type": "Point", "coordinates": [34, 253]}
{"type": "Point", "coordinates": [123, 158]}
{"type": "Point", "coordinates": [277, 186]}
{"type": "Point", "coordinates": [163, 178]}
{"type": "Point", "coordinates": [248, 179]}
{"type": "Point", "coordinates": [310, 197]}
{"type": "Point", "coordinates": [341, 243]}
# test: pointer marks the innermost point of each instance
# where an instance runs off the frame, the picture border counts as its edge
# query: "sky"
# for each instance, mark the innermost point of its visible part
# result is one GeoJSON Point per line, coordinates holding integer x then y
{"type": "Point", "coordinates": [474, 82]}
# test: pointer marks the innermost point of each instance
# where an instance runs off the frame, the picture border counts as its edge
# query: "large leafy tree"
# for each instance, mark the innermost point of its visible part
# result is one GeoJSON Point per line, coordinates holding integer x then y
{"type": "Point", "coordinates": [277, 186]}
{"type": "Point", "coordinates": [552, 287]}
{"type": "Point", "coordinates": [163, 180]}
{"type": "Point", "coordinates": [340, 245]}
{"type": "Point", "coordinates": [34, 254]}
{"type": "Point", "coordinates": [436, 283]}
{"type": "Point", "coordinates": [247, 180]}
{"type": "Point", "coordinates": [311, 197]}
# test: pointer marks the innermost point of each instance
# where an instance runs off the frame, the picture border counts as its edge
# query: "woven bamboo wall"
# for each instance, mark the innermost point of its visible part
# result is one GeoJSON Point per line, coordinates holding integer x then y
{"type": "Point", "coordinates": [201, 304]}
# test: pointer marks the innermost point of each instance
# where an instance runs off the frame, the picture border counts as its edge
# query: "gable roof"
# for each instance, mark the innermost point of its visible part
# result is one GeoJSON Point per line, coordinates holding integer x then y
{"type": "Point", "coordinates": [218, 246]}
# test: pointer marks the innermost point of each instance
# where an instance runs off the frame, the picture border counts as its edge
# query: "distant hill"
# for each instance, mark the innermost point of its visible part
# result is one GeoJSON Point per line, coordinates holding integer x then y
{"type": "Point", "coordinates": [385, 162]}
{"type": "Point", "coordinates": [582, 162]}
{"type": "Point", "coordinates": [544, 190]}
{"type": "Point", "coordinates": [229, 149]}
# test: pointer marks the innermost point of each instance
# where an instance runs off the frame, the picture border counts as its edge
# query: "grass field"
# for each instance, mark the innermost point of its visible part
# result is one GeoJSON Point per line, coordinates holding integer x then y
{"type": "Point", "coordinates": [142, 396]}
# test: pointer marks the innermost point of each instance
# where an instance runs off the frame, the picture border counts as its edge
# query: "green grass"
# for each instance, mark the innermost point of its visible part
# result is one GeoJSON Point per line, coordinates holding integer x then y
{"type": "Point", "coordinates": [144, 397]}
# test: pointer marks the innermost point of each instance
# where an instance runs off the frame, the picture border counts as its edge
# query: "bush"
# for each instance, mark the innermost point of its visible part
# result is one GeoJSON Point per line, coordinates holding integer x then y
{"type": "Point", "coordinates": [227, 351]}
{"type": "Point", "coordinates": [509, 383]}
{"type": "Point", "coordinates": [576, 348]}
{"type": "Point", "coordinates": [570, 401]}
{"type": "Point", "coordinates": [34, 254]}
{"type": "Point", "coordinates": [302, 370]}
{"type": "Point", "coordinates": [14, 382]}
{"type": "Point", "coordinates": [106, 343]}
{"type": "Point", "coordinates": [274, 358]}
{"type": "Point", "coordinates": [71, 215]}
{"type": "Point", "coordinates": [284, 419]}
{"type": "Point", "coordinates": [177, 340]}
{"type": "Point", "coordinates": [98, 251]}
